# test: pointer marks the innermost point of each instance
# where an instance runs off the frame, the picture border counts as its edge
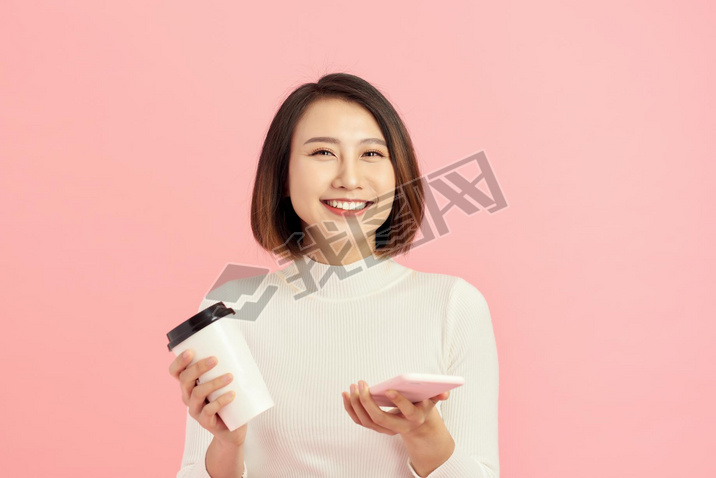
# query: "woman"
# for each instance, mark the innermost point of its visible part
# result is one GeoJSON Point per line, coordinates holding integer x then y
{"type": "Point", "coordinates": [338, 191]}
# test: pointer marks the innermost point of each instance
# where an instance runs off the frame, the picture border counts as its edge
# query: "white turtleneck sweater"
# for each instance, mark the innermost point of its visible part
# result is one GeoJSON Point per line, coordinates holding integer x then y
{"type": "Point", "coordinates": [382, 320]}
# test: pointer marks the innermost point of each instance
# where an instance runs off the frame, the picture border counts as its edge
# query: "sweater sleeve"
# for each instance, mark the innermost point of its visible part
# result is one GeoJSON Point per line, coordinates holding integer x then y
{"type": "Point", "coordinates": [197, 439]}
{"type": "Point", "coordinates": [196, 443]}
{"type": "Point", "coordinates": [470, 412]}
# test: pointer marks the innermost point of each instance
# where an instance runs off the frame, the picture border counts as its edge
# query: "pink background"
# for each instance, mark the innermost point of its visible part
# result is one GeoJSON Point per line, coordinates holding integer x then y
{"type": "Point", "coordinates": [129, 135]}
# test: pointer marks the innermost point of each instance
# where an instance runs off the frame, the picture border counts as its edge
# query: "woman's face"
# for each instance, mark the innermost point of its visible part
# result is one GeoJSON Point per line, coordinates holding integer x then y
{"type": "Point", "coordinates": [340, 168]}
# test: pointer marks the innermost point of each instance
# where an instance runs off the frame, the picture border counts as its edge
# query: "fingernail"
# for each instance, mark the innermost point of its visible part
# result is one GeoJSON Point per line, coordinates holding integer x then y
{"type": "Point", "coordinates": [361, 386]}
{"type": "Point", "coordinates": [185, 354]}
{"type": "Point", "coordinates": [391, 394]}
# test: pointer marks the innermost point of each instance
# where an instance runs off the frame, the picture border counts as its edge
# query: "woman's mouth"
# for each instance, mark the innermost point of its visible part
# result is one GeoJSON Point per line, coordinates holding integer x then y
{"type": "Point", "coordinates": [352, 208]}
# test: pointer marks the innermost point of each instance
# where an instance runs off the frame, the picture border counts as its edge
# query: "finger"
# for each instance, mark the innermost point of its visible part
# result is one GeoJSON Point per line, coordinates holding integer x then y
{"type": "Point", "coordinates": [410, 411]}
{"type": "Point", "coordinates": [378, 416]}
{"type": "Point", "coordinates": [208, 413]}
{"type": "Point", "coordinates": [200, 392]}
{"type": "Point", "coordinates": [190, 374]}
{"type": "Point", "coordinates": [179, 363]}
{"type": "Point", "coordinates": [442, 396]}
{"type": "Point", "coordinates": [349, 408]}
{"type": "Point", "coordinates": [363, 416]}
{"type": "Point", "coordinates": [424, 409]}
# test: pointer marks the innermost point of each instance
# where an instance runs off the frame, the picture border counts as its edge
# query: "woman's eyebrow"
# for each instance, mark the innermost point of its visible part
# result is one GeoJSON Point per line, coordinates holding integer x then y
{"type": "Point", "coordinates": [328, 139]}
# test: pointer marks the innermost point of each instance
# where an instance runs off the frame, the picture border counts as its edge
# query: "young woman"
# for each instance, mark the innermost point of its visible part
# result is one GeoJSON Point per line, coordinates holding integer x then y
{"type": "Point", "coordinates": [338, 192]}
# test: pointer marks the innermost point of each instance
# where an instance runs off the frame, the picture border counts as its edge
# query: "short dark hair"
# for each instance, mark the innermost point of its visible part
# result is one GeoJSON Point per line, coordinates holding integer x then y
{"type": "Point", "coordinates": [273, 220]}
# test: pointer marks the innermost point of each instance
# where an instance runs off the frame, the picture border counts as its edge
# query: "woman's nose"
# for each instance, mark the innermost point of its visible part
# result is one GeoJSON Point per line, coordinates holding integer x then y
{"type": "Point", "coordinates": [348, 175]}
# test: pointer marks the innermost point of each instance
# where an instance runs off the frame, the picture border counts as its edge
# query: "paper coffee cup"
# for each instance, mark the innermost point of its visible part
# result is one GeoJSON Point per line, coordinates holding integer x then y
{"type": "Point", "coordinates": [211, 332]}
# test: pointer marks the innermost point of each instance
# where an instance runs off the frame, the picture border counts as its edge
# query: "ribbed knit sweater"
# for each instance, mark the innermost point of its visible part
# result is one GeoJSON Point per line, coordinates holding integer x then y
{"type": "Point", "coordinates": [327, 326]}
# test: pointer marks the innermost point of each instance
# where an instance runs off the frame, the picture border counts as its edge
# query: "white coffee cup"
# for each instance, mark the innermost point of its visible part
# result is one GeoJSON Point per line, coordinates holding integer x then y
{"type": "Point", "coordinates": [208, 334]}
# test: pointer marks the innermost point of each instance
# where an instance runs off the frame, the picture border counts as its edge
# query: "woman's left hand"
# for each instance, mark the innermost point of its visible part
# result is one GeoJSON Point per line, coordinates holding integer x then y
{"type": "Point", "coordinates": [406, 419]}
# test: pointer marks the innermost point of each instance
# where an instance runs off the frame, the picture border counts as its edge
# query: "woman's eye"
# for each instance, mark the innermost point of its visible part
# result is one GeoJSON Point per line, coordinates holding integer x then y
{"type": "Point", "coordinates": [370, 154]}
{"type": "Point", "coordinates": [320, 151]}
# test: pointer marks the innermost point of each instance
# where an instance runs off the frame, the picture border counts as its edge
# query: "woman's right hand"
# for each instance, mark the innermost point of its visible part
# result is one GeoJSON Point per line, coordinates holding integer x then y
{"type": "Point", "coordinates": [194, 397]}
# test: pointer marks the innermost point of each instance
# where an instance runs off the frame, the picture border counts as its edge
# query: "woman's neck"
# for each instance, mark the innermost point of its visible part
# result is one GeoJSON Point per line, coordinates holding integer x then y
{"type": "Point", "coordinates": [326, 254]}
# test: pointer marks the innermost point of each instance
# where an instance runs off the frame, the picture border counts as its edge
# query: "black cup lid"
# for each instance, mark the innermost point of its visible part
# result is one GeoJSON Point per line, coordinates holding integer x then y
{"type": "Point", "coordinates": [197, 322]}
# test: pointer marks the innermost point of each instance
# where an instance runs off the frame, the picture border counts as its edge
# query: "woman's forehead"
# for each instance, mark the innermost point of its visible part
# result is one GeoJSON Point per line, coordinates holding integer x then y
{"type": "Point", "coordinates": [345, 122]}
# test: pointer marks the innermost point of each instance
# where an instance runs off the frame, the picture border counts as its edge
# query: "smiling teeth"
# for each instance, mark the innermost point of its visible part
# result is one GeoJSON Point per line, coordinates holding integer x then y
{"type": "Point", "coordinates": [347, 205]}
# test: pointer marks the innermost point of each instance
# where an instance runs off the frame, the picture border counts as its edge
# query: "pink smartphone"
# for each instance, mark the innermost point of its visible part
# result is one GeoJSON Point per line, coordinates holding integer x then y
{"type": "Point", "coordinates": [416, 387]}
